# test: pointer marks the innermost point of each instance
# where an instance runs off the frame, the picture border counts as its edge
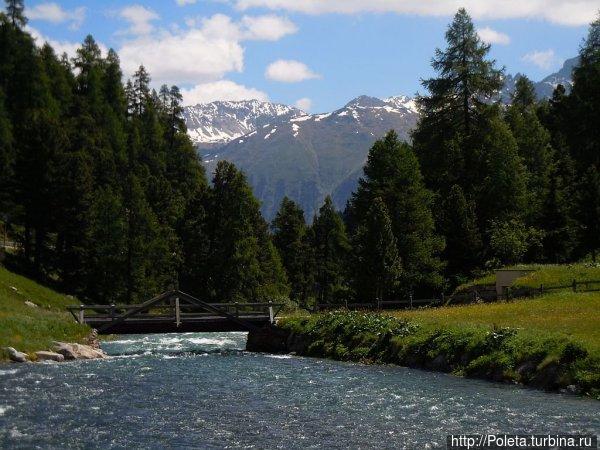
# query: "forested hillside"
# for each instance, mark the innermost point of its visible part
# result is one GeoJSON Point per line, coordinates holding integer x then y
{"type": "Point", "coordinates": [103, 189]}
{"type": "Point", "coordinates": [105, 194]}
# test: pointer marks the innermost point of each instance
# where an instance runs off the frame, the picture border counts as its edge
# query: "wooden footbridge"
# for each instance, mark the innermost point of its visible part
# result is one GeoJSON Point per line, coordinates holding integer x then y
{"type": "Point", "coordinates": [176, 312]}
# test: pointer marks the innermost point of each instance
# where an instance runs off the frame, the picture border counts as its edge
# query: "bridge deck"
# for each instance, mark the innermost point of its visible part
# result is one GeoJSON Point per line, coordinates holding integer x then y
{"type": "Point", "coordinates": [176, 311]}
{"type": "Point", "coordinates": [169, 325]}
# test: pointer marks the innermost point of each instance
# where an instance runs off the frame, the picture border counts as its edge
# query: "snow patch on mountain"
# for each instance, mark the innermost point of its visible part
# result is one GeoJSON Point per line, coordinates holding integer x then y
{"type": "Point", "coordinates": [217, 123]}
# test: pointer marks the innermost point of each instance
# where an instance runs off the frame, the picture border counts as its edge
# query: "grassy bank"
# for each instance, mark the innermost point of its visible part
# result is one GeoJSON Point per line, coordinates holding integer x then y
{"type": "Point", "coordinates": [28, 328]}
{"type": "Point", "coordinates": [574, 316]}
{"type": "Point", "coordinates": [549, 343]}
{"type": "Point", "coordinates": [543, 274]}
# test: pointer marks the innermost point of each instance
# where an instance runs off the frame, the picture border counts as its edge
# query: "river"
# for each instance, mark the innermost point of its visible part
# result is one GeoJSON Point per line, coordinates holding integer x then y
{"type": "Point", "coordinates": [204, 391]}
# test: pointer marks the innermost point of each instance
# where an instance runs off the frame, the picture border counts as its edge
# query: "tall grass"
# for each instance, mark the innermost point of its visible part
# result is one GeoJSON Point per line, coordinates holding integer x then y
{"type": "Point", "coordinates": [28, 328]}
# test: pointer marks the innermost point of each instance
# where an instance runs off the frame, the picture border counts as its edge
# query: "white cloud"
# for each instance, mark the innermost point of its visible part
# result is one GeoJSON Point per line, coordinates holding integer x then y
{"type": "Point", "coordinates": [189, 57]}
{"type": "Point", "coordinates": [267, 28]}
{"type": "Point", "coordinates": [565, 12]}
{"type": "Point", "coordinates": [258, 28]}
{"type": "Point", "coordinates": [305, 104]}
{"type": "Point", "coordinates": [221, 90]}
{"type": "Point", "coordinates": [543, 59]}
{"type": "Point", "coordinates": [185, 2]}
{"type": "Point", "coordinates": [205, 52]}
{"type": "Point", "coordinates": [289, 71]}
{"type": "Point", "coordinates": [54, 13]}
{"type": "Point", "coordinates": [60, 47]}
{"type": "Point", "coordinates": [140, 19]}
{"type": "Point", "coordinates": [492, 36]}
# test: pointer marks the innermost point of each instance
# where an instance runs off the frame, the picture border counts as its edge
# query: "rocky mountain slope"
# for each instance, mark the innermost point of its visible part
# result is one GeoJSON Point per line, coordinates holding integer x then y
{"type": "Point", "coordinates": [213, 124]}
{"type": "Point", "coordinates": [285, 151]}
{"type": "Point", "coordinates": [308, 157]}
{"type": "Point", "coordinates": [545, 87]}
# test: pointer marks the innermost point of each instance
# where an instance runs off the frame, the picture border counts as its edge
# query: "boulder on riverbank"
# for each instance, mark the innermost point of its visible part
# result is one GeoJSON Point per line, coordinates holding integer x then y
{"type": "Point", "coordinates": [78, 351]}
{"type": "Point", "coordinates": [16, 356]}
{"type": "Point", "coordinates": [49, 356]}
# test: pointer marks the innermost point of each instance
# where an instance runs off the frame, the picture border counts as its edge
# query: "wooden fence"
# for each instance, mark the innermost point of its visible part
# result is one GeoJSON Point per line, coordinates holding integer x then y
{"type": "Point", "coordinates": [486, 293]}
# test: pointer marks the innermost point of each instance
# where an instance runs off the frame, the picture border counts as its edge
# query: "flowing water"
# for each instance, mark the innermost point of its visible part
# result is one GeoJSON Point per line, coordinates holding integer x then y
{"type": "Point", "coordinates": [203, 391]}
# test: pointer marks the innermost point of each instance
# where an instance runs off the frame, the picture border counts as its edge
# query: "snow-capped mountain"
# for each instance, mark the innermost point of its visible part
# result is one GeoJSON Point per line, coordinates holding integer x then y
{"type": "Point", "coordinates": [545, 87]}
{"type": "Point", "coordinates": [310, 156]}
{"type": "Point", "coordinates": [217, 123]}
{"type": "Point", "coordinates": [285, 151]}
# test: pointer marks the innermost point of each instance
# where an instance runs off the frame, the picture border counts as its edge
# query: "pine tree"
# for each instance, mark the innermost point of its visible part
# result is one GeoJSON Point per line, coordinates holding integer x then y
{"type": "Point", "coordinates": [377, 265]}
{"type": "Point", "coordinates": [458, 222]}
{"type": "Point", "coordinates": [107, 264]}
{"type": "Point", "coordinates": [533, 146]}
{"type": "Point", "coordinates": [392, 173]}
{"type": "Point", "coordinates": [524, 94]}
{"type": "Point", "coordinates": [466, 79]}
{"type": "Point", "coordinates": [7, 159]}
{"type": "Point", "coordinates": [503, 192]}
{"type": "Point", "coordinates": [195, 271]}
{"type": "Point", "coordinates": [331, 251]}
{"type": "Point", "coordinates": [290, 239]}
{"type": "Point", "coordinates": [583, 105]}
{"type": "Point", "coordinates": [588, 212]}
{"type": "Point", "coordinates": [560, 230]}
{"type": "Point", "coordinates": [242, 260]}
{"type": "Point", "coordinates": [14, 10]}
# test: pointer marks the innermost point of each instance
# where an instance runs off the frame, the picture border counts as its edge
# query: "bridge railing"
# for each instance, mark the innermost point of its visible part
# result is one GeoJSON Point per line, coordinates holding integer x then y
{"type": "Point", "coordinates": [176, 310]}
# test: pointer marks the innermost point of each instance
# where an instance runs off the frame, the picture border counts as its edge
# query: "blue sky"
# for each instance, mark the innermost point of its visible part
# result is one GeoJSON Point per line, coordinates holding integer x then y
{"type": "Point", "coordinates": [318, 54]}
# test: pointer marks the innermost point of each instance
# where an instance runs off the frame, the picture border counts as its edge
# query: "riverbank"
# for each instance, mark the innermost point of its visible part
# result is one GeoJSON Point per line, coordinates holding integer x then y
{"type": "Point", "coordinates": [476, 341]}
{"type": "Point", "coordinates": [33, 316]}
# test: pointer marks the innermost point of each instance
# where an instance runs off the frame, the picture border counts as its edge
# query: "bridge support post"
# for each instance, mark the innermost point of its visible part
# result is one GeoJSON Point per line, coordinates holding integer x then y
{"type": "Point", "coordinates": [81, 314]}
{"type": "Point", "coordinates": [177, 312]}
{"type": "Point", "coordinates": [271, 315]}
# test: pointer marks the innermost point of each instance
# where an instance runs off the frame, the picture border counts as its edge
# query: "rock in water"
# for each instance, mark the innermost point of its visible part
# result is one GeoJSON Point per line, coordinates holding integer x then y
{"type": "Point", "coordinates": [16, 356]}
{"type": "Point", "coordinates": [49, 356]}
{"type": "Point", "coordinates": [78, 351]}
{"type": "Point", "coordinates": [93, 340]}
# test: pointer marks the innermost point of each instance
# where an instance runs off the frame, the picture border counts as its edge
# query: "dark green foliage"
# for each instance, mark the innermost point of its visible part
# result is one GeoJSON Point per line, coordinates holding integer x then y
{"type": "Point", "coordinates": [510, 240]}
{"type": "Point", "coordinates": [14, 10]}
{"type": "Point", "coordinates": [502, 189]}
{"type": "Point", "coordinates": [524, 94]}
{"type": "Point", "coordinates": [456, 99]}
{"type": "Point", "coordinates": [458, 222]}
{"type": "Point", "coordinates": [583, 104]}
{"type": "Point", "coordinates": [533, 146]}
{"type": "Point", "coordinates": [242, 259]}
{"type": "Point", "coordinates": [331, 252]}
{"type": "Point", "coordinates": [588, 212]}
{"type": "Point", "coordinates": [377, 266]}
{"type": "Point", "coordinates": [292, 239]}
{"type": "Point", "coordinates": [392, 174]}
{"type": "Point", "coordinates": [106, 191]}
{"type": "Point", "coordinates": [557, 222]}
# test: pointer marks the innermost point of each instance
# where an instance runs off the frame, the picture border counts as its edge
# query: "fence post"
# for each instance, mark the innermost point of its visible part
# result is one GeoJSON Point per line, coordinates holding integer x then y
{"type": "Point", "coordinates": [541, 289]}
{"type": "Point", "coordinates": [81, 314]}
{"type": "Point", "coordinates": [574, 285]}
{"type": "Point", "coordinates": [410, 298]}
{"type": "Point", "coordinates": [177, 312]}
{"type": "Point", "coordinates": [236, 309]}
{"type": "Point", "coordinates": [442, 299]}
{"type": "Point", "coordinates": [112, 312]}
{"type": "Point", "coordinates": [271, 315]}
{"type": "Point", "coordinates": [378, 304]}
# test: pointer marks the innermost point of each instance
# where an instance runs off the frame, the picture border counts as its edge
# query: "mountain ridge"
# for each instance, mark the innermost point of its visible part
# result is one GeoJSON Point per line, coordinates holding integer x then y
{"type": "Point", "coordinates": [286, 151]}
